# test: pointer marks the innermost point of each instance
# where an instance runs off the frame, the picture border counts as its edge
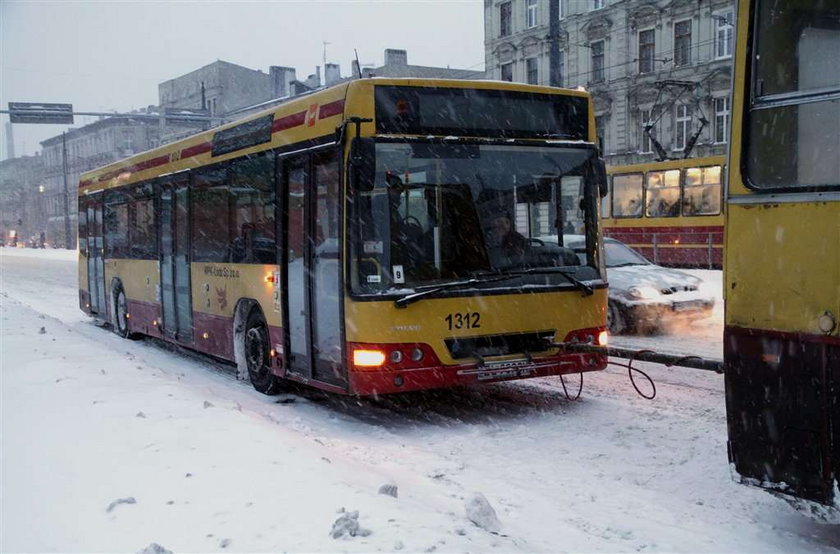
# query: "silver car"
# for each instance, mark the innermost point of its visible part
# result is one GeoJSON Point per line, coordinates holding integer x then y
{"type": "Point", "coordinates": [645, 297]}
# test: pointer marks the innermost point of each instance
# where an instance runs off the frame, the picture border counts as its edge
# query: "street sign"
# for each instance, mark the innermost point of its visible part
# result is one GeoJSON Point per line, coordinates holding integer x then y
{"type": "Point", "coordinates": [40, 112]}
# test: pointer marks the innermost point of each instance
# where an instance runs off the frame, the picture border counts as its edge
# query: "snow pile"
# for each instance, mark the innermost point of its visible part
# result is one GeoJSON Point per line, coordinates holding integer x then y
{"type": "Point", "coordinates": [347, 526]}
{"type": "Point", "coordinates": [480, 512]}
{"type": "Point", "coordinates": [154, 548]}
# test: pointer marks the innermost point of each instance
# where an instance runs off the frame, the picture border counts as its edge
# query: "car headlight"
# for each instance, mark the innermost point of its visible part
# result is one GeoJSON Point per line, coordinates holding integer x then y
{"type": "Point", "coordinates": [643, 292]}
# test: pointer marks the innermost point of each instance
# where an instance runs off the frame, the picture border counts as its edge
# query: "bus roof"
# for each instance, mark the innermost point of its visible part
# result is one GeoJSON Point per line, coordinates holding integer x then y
{"type": "Point", "coordinates": [306, 117]}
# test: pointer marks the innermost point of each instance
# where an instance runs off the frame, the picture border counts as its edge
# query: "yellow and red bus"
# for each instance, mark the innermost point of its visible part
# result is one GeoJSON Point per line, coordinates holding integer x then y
{"type": "Point", "coordinates": [782, 255]}
{"type": "Point", "coordinates": [670, 211]}
{"type": "Point", "coordinates": [373, 237]}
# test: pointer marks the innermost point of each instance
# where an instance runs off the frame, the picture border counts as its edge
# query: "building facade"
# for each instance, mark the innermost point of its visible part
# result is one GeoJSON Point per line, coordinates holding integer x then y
{"type": "Point", "coordinates": [89, 147]}
{"type": "Point", "coordinates": [650, 64]}
{"type": "Point", "coordinates": [23, 199]}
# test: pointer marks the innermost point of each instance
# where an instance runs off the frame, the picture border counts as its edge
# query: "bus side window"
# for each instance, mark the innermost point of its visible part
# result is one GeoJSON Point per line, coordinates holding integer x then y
{"type": "Point", "coordinates": [251, 184]}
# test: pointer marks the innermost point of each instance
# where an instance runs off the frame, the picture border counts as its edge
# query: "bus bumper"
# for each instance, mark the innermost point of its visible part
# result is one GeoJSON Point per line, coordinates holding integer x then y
{"type": "Point", "coordinates": [367, 383]}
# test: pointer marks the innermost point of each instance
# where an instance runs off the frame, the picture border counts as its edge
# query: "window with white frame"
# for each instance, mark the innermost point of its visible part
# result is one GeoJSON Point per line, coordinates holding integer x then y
{"type": "Point", "coordinates": [531, 13]}
{"type": "Point", "coordinates": [723, 40]}
{"type": "Point", "coordinates": [507, 72]}
{"type": "Point", "coordinates": [722, 114]}
{"type": "Point", "coordinates": [682, 42]}
{"type": "Point", "coordinates": [597, 4]}
{"type": "Point", "coordinates": [531, 74]}
{"type": "Point", "coordinates": [682, 126]}
{"type": "Point", "coordinates": [647, 50]}
{"type": "Point", "coordinates": [597, 49]}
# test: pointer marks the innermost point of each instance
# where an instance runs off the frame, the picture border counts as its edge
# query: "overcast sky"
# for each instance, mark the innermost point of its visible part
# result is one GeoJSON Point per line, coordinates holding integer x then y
{"type": "Point", "coordinates": [111, 55]}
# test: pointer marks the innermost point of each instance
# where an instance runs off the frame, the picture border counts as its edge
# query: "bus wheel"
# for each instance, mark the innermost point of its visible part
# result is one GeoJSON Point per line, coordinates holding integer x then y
{"type": "Point", "coordinates": [615, 320]}
{"type": "Point", "coordinates": [256, 355]}
{"type": "Point", "coordinates": [121, 313]}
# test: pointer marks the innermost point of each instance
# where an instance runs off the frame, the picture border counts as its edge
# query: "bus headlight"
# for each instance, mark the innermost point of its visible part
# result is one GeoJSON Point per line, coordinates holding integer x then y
{"type": "Point", "coordinates": [368, 358]}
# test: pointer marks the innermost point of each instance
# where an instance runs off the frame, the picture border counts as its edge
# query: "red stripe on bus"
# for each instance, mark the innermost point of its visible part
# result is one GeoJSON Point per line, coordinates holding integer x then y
{"type": "Point", "coordinates": [288, 122]}
{"type": "Point", "coordinates": [196, 150]}
{"type": "Point", "coordinates": [331, 109]}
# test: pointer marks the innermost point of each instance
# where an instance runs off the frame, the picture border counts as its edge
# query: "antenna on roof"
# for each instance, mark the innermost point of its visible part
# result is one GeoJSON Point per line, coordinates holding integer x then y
{"type": "Point", "coordinates": [358, 65]}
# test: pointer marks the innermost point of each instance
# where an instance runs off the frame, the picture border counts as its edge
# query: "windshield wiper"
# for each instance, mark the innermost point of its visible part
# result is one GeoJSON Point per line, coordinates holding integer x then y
{"type": "Point", "coordinates": [404, 301]}
{"type": "Point", "coordinates": [580, 285]}
{"type": "Point", "coordinates": [492, 278]}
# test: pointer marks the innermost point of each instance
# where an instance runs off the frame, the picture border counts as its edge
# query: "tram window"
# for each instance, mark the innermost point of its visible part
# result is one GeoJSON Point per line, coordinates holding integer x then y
{"type": "Point", "coordinates": [210, 216]}
{"type": "Point", "coordinates": [606, 204]}
{"type": "Point", "coordinates": [792, 139]}
{"type": "Point", "coordinates": [251, 185]}
{"type": "Point", "coordinates": [702, 190]}
{"type": "Point", "coordinates": [116, 230]}
{"type": "Point", "coordinates": [663, 193]}
{"type": "Point", "coordinates": [627, 195]}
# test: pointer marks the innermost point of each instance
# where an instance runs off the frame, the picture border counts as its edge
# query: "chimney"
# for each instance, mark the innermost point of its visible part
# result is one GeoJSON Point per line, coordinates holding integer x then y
{"type": "Point", "coordinates": [355, 69]}
{"type": "Point", "coordinates": [281, 79]}
{"type": "Point", "coordinates": [396, 57]}
{"type": "Point", "coordinates": [332, 73]}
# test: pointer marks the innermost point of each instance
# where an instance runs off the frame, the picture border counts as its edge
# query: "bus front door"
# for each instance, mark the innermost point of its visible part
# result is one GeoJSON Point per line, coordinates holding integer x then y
{"type": "Point", "coordinates": [176, 301]}
{"type": "Point", "coordinates": [312, 299]}
{"type": "Point", "coordinates": [95, 260]}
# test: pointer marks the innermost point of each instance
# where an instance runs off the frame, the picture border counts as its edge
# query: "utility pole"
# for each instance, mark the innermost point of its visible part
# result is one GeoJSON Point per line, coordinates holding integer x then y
{"type": "Point", "coordinates": [67, 242]}
{"type": "Point", "coordinates": [554, 43]}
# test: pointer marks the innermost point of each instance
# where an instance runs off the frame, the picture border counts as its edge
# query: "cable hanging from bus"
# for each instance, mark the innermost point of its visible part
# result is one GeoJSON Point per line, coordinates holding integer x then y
{"type": "Point", "coordinates": [782, 253]}
{"type": "Point", "coordinates": [374, 237]}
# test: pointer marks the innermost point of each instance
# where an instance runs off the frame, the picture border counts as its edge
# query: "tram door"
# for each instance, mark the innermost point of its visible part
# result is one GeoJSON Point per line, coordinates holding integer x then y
{"type": "Point", "coordinates": [310, 188]}
{"type": "Point", "coordinates": [95, 260]}
{"type": "Point", "coordinates": [175, 293]}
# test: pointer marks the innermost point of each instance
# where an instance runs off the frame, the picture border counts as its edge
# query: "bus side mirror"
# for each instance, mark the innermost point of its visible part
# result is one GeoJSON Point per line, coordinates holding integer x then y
{"type": "Point", "coordinates": [362, 164]}
{"type": "Point", "coordinates": [600, 175]}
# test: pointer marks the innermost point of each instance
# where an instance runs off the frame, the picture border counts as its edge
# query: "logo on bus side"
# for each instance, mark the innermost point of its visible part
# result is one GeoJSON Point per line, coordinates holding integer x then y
{"type": "Point", "coordinates": [312, 115]}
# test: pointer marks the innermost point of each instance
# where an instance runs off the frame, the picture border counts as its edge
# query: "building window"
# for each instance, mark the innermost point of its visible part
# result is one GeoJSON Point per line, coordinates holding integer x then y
{"type": "Point", "coordinates": [645, 142]}
{"type": "Point", "coordinates": [597, 4]}
{"type": "Point", "coordinates": [504, 19]}
{"type": "Point", "coordinates": [507, 72]}
{"type": "Point", "coordinates": [562, 7]}
{"type": "Point", "coordinates": [531, 13]}
{"type": "Point", "coordinates": [128, 141]}
{"type": "Point", "coordinates": [682, 43]}
{"type": "Point", "coordinates": [723, 42]}
{"type": "Point", "coordinates": [597, 49]}
{"type": "Point", "coordinates": [682, 126]}
{"type": "Point", "coordinates": [601, 132]}
{"type": "Point", "coordinates": [647, 50]}
{"type": "Point", "coordinates": [722, 109]}
{"type": "Point", "coordinates": [531, 71]}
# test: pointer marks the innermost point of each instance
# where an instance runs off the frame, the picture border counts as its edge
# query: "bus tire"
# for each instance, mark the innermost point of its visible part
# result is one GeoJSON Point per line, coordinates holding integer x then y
{"type": "Point", "coordinates": [257, 355]}
{"type": "Point", "coordinates": [615, 319]}
{"type": "Point", "coordinates": [120, 325]}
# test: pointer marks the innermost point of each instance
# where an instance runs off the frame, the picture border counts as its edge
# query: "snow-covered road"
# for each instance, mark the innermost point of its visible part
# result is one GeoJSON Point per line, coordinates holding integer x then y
{"type": "Point", "coordinates": [201, 462]}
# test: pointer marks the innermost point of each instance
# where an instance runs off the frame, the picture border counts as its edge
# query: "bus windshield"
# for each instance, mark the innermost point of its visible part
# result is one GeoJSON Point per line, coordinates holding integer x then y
{"type": "Point", "coordinates": [438, 212]}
